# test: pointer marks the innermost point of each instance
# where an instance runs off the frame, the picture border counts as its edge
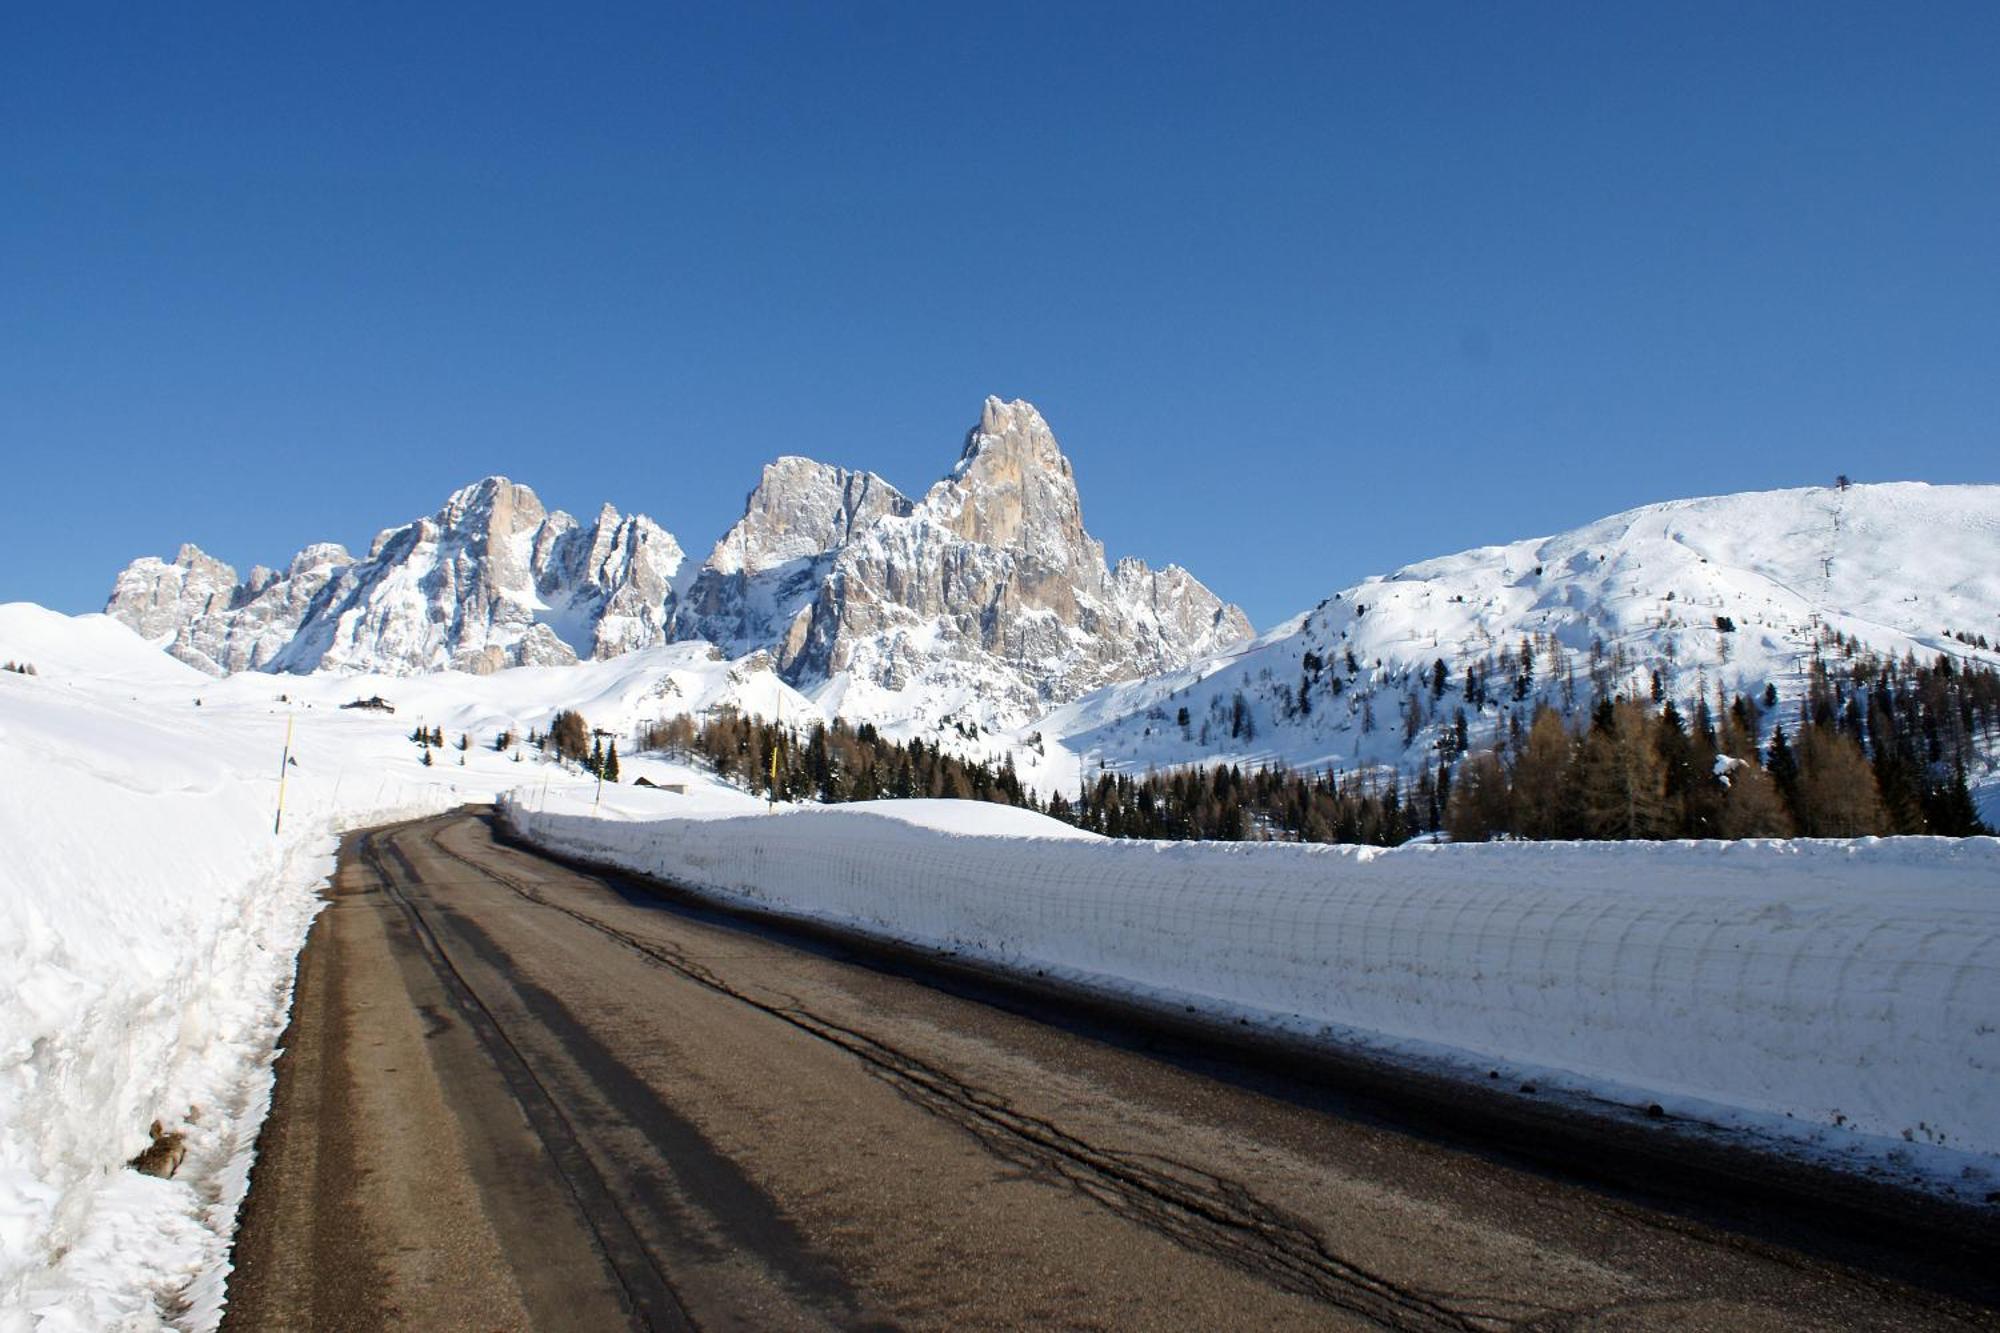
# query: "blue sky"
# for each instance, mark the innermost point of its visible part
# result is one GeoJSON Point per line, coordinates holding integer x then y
{"type": "Point", "coordinates": [1306, 291]}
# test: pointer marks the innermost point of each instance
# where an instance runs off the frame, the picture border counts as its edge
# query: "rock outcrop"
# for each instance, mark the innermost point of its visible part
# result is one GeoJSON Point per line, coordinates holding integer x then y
{"type": "Point", "coordinates": [493, 579]}
{"type": "Point", "coordinates": [986, 600]}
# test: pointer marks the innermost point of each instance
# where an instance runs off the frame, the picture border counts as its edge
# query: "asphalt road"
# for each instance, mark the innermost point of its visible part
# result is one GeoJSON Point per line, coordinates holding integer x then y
{"type": "Point", "coordinates": [517, 1094]}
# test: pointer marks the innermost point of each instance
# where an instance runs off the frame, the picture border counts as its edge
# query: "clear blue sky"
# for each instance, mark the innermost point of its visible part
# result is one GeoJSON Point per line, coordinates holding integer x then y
{"type": "Point", "coordinates": [1306, 291]}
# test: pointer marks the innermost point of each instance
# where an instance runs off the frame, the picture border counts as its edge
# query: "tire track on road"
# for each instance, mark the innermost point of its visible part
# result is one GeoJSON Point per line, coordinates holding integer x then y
{"type": "Point", "coordinates": [649, 1293]}
{"type": "Point", "coordinates": [1197, 1209]}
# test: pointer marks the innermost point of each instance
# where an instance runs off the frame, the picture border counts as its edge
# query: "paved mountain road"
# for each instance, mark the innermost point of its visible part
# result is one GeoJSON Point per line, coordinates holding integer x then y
{"type": "Point", "coordinates": [516, 1095]}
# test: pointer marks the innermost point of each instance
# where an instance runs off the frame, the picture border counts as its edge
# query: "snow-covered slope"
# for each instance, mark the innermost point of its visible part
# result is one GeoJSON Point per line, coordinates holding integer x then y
{"type": "Point", "coordinates": [1721, 595]}
{"type": "Point", "coordinates": [150, 913]}
{"type": "Point", "coordinates": [491, 580]}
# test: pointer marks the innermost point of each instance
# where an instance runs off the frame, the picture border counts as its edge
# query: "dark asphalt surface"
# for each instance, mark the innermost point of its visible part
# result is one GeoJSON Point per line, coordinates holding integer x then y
{"type": "Point", "coordinates": [517, 1094]}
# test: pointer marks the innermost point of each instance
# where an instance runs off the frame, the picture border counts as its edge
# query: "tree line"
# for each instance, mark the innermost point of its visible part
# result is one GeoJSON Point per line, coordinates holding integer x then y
{"type": "Point", "coordinates": [832, 762]}
{"type": "Point", "coordinates": [1880, 746]}
{"type": "Point", "coordinates": [836, 762]}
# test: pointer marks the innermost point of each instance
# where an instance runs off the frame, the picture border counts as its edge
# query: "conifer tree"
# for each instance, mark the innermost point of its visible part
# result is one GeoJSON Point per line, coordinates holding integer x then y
{"type": "Point", "coordinates": [1621, 780]}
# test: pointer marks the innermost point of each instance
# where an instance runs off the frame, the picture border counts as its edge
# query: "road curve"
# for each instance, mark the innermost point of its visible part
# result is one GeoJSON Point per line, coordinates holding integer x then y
{"type": "Point", "coordinates": [516, 1094]}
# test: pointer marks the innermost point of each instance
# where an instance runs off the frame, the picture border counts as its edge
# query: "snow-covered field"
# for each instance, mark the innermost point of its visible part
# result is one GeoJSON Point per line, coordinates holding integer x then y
{"type": "Point", "coordinates": [1839, 998]}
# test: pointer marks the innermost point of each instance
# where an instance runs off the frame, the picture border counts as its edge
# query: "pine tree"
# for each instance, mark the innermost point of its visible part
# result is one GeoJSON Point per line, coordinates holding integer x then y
{"type": "Point", "coordinates": [1540, 805]}
{"type": "Point", "coordinates": [611, 763]}
{"type": "Point", "coordinates": [1621, 780]}
{"type": "Point", "coordinates": [570, 735]}
{"type": "Point", "coordinates": [1837, 795]}
{"type": "Point", "coordinates": [1783, 767]}
{"type": "Point", "coordinates": [1478, 807]}
{"type": "Point", "coordinates": [1752, 806]}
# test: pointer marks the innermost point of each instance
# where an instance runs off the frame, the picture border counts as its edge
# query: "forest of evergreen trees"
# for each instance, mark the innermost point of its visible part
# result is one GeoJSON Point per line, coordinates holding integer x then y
{"type": "Point", "coordinates": [1881, 746]}
{"type": "Point", "coordinates": [831, 763]}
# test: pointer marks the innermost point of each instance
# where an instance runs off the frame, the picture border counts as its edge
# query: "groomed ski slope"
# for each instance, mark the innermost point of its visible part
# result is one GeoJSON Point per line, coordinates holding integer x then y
{"type": "Point", "coordinates": [1840, 998]}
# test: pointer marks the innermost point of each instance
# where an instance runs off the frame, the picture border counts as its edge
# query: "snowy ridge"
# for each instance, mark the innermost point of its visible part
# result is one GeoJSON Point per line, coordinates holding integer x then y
{"type": "Point", "coordinates": [1719, 595]}
{"type": "Point", "coordinates": [1841, 998]}
{"type": "Point", "coordinates": [985, 601]}
{"type": "Point", "coordinates": [489, 581]}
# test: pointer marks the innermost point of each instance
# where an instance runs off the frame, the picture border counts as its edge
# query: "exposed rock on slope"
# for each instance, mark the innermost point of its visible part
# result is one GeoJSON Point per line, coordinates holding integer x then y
{"type": "Point", "coordinates": [986, 599]}
{"type": "Point", "coordinates": [196, 609]}
{"type": "Point", "coordinates": [491, 580]}
{"type": "Point", "coordinates": [757, 587]}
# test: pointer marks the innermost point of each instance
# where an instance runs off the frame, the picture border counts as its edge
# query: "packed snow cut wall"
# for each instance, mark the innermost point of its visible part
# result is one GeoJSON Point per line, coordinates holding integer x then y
{"type": "Point", "coordinates": [1844, 995]}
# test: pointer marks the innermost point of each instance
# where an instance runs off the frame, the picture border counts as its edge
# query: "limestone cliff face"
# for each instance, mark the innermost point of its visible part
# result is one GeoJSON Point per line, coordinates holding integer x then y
{"type": "Point", "coordinates": [756, 589]}
{"type": "Point", "coordinates": [987, 599]}
{"type": "Point", "coordinates": [493, 579]}
{"type": "Point", "coordinates": [197, 610]}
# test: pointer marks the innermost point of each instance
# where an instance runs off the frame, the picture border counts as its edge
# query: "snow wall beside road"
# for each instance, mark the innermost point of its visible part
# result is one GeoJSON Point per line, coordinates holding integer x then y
{"type": "Point", "coordinates": [1844, 993]}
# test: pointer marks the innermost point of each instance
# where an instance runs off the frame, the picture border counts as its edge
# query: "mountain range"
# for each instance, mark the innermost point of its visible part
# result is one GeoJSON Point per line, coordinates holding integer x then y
{"type": "Point", "coordinates": [984, 599]}
{"type": "Point", "coordinates": [983, 611]}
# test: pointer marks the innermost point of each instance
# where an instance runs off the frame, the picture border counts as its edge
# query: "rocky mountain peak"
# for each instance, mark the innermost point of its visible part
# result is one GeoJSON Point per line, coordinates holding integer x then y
{"type": "Point", "coordinates": [801, 509]}
{"type": "Point", "coordinates": [491, 504]}
{"type": "Point", "coordinates": [493, 578]}
{"type": "Point", "coordinates": [988, 598]}
{"type": "Point", "coordinates": [1012, 484]}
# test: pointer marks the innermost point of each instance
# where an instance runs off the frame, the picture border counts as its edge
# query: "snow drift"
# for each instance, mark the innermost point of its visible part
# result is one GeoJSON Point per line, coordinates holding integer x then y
{"type": "Point", "coordinates": [1842, 994]}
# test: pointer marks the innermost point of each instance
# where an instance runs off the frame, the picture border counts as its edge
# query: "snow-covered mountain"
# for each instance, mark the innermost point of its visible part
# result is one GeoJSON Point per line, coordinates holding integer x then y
{"type": "Point", "coordinates": [1718, 596]}
{"type": "Point", "coordinates": [757, 588]}
{"type": "Point", "coordinates": [986, 600]}
{"type": "Point", "coordinates": [493, 579]}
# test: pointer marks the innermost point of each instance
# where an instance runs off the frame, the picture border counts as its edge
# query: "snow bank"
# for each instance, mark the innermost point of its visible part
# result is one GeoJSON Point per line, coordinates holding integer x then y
{"type": "Point", "coordinates": [149, 923]}
{"type": "Point", "coordinates": [1841, 994]}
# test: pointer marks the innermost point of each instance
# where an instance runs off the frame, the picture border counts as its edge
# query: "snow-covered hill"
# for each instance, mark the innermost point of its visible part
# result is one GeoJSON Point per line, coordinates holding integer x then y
{"type": "Point", "coordinates": [1718, 596]}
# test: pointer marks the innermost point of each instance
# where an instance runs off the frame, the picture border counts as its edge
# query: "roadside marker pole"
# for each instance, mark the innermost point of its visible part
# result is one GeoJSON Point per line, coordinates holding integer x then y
{"type": "Point", "coordinates": [278, 824]}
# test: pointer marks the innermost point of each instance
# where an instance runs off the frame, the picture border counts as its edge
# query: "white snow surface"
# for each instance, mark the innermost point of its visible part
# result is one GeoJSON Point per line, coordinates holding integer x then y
{"type": "Point", "coordinates": [1837, 998]}
{"type": "Point", "coordinates": [150, 918]}
{"type": "Point", "coordinates": [1899, 566]}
